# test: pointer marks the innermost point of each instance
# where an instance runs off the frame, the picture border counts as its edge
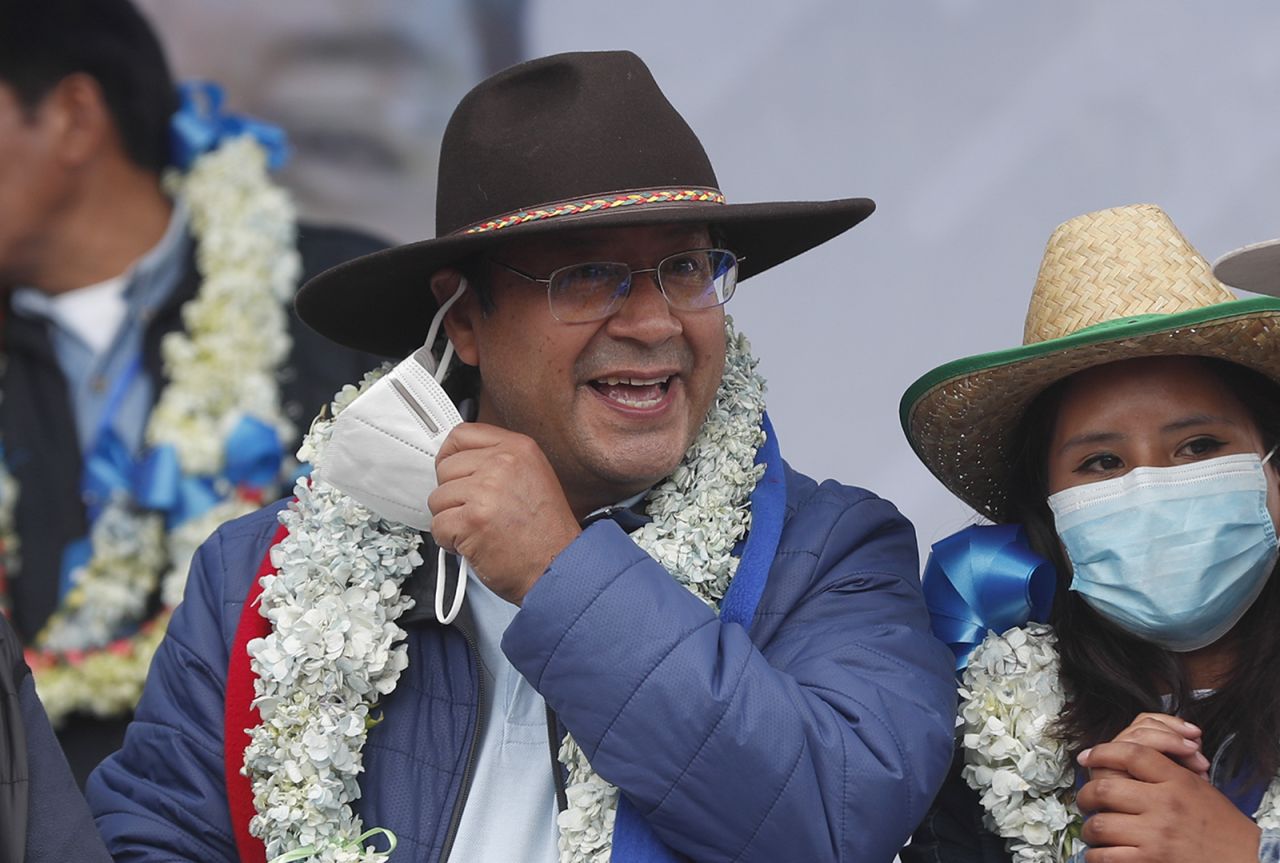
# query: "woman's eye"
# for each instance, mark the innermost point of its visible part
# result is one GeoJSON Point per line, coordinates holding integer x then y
{"type": "Point", "coordinates": [1100, 463]}
{"type": "Point", "coordinates": [1202, 446]}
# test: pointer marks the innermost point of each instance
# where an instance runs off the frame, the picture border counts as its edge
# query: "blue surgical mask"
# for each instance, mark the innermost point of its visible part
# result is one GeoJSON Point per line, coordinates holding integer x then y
{"type": "Point", "coordinates": [1174, 555]}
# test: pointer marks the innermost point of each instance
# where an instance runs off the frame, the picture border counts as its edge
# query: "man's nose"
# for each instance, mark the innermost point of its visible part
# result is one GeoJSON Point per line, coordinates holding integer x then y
{"type": "Point", "coordinates": [645, 315]}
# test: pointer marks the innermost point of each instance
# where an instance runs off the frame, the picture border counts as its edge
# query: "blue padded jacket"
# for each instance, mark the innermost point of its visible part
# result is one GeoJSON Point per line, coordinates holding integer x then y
{"type": "Point", "coordinates": [820, 735]}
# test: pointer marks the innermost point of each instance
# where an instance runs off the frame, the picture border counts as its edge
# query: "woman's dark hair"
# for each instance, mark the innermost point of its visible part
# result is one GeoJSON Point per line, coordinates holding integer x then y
{"type": "Point", "coordinates": [1110, 675]}
{"type": "Point", "coordinates": [44, 41]}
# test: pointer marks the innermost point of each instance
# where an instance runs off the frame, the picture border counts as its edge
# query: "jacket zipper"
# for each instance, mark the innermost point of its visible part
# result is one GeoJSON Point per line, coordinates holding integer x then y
{"type": "Point", "coordinates": [456, 818]}
{"type": "Point", "coordinates": [557, 774]}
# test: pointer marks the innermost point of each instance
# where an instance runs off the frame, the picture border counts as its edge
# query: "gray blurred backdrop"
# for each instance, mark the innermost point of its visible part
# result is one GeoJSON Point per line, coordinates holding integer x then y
{"type": "Point", "coordinates": [976, 126]}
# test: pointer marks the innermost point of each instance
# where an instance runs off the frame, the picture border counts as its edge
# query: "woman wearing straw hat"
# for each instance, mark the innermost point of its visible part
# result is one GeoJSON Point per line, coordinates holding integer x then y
{"type": "Point", "coordinates": [1115, 626]}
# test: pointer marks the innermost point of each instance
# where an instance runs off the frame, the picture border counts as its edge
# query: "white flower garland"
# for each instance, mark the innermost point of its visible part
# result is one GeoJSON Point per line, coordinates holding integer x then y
{"type": "Point", "coordinates": [335, 648]}
{"type": "Point", "coordinates": [1010, 697]}
{"type": "Point", "coordinates": [220, 370]}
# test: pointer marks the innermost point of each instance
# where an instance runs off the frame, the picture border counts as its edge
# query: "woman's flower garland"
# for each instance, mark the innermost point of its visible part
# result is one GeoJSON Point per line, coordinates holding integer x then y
{"type": "Point", "coordinates": [1010, 698]}
{"type": "Point", "coordinates": [335, 648]}
{"type": "Point", "coordinates": [220, 370]}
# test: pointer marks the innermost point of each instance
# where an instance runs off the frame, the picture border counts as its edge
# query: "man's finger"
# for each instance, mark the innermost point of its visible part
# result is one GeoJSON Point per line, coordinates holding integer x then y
{"type": "Point", "coordinates": [469, 436]}
{"type": "Point", "coordinates": [462, 463]}
{"type": "Point", "coordinates": [466, 492]}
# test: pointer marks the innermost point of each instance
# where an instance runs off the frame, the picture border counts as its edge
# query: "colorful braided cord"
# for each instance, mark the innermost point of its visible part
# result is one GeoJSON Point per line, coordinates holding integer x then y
{"type": "Point", "coordinates": [657, 196]}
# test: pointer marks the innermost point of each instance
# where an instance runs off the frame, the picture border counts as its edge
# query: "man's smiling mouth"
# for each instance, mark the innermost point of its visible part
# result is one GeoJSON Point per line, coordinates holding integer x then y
{"type": "Point", "coordinates": [634, 392]}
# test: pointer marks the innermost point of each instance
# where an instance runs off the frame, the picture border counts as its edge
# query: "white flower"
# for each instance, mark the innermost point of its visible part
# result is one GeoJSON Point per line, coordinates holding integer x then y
{"type": "Point", "coordinates": [1010, 695]}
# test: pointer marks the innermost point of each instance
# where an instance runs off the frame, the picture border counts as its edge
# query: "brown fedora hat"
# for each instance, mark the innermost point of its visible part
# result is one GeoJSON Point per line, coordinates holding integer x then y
{"type": "Point", "coordinates": [559, 143]}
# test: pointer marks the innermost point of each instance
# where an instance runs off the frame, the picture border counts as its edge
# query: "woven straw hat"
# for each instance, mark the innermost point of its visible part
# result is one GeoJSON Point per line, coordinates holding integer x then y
{"type": "Point", "coordinates": [1253, 268]}
{"type": "Point", "coordinates": [1113, 285]}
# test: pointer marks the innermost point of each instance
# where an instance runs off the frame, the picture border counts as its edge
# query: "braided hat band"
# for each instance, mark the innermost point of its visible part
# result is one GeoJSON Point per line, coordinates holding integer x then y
{"type": "Point", "coordinates": [608, 202]}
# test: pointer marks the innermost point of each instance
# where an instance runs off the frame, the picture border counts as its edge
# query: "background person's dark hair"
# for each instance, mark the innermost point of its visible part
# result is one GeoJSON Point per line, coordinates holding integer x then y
{"type": "Point", "coordinates": [1111, 676]}
{"type": "Point", "coordinates": [44, 41]}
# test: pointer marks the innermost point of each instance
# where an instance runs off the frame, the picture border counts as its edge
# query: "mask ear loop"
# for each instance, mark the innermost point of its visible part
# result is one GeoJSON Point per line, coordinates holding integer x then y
{"type": "Point", "coordinates": [442, 370]}
{"type": "Point", "coordinates": [458, 593]}
{"type": "Point", "coordinates": [1266, 458]}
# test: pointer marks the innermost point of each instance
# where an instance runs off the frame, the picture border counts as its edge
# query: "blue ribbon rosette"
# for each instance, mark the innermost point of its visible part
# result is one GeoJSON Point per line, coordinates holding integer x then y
{"type": "Point", "coordinates": [200, 125]}
{"type": "Point", "coordinates": [252, 460]}
{"type": "Point", "coordinates": [985, 578]}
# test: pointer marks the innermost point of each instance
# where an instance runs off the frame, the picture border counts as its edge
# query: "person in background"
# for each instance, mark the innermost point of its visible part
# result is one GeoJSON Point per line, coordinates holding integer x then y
{"type": "Point", "coordinates": [1255, 268]}
{"type": "Point", "coordinates": [152, 377]}
{"type": "Point", "coordinates": [43, 817]}
{"type": "Point", "coordinates": [665, 644]}
{"type": "Point", "coordinates": [1127, 455]}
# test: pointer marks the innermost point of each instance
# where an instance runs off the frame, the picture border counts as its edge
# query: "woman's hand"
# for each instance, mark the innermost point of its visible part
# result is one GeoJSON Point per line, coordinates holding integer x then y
{"type": "Point", "coordinates": [1176, 738]}
{"type": "Point", "coordinates": [1147, 808]}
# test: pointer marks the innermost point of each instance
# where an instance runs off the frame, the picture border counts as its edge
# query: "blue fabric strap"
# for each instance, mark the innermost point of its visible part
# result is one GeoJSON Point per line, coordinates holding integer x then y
{"type": "Point", "coordinates": [768, 508]}
{"type": "Point", "coordinates": [633, 839]}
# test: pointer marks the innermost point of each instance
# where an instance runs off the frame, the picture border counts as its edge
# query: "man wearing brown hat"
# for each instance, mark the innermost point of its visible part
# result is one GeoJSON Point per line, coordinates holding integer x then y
{"type": "Point", "coordinates": [650, 600]}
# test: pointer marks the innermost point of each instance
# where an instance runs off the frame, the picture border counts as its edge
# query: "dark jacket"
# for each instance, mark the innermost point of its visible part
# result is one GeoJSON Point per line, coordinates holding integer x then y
{"type": "Point", "coordinates": [37, 425]}
{"type": "Point", "coordinates": [819, 735]}
{"type": "Point", "coordinates": [953, 831]}
{"type": "Point", "coordinates": [43, 817]}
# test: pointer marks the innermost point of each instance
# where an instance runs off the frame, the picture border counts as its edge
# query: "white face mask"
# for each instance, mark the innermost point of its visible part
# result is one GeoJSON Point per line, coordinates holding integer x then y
{"type": "Point", "coordinates": [382, 451]}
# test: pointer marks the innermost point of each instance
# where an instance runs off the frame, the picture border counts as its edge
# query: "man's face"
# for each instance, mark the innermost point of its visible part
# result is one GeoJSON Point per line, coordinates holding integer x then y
{"type": "Point", "coordinates": [613, 403]}
{"type": "Point", "coordinates": [31, 186]}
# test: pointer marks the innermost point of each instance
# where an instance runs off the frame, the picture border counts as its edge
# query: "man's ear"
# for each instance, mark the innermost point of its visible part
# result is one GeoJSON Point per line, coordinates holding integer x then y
{"type": "Point", "coordinates": [76, 114]}
{"type": "Point", "coordinates": [460, 321]}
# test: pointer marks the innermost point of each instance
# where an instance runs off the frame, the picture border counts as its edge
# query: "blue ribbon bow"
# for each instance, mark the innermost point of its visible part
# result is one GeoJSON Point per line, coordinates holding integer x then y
{"type": "Point", "coordinates": [199, 126]}
{"type": "Point", "coordinates": [156, 481]}
{"type": "Point", "coordinates": [985, 578]}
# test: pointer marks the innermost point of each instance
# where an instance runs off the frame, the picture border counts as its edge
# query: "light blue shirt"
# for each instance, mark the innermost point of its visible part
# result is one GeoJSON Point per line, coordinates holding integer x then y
{"type": "Point", "coordinates": [90, 374]}
{"type": "Point", "coordinates": [511, 809]}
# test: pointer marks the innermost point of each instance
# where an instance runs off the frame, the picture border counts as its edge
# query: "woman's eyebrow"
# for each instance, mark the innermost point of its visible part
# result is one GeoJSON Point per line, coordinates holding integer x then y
{"type": "Point", "coordinates": [1197, 420]}
{"type": "Point", "coordinates": [1090, 439]}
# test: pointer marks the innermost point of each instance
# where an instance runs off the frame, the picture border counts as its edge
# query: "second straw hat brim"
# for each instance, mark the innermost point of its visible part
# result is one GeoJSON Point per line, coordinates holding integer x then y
{"type": "Point", "coordinates": [962, 417]}
{"type": "Point", "coordinates": [1254, 268]}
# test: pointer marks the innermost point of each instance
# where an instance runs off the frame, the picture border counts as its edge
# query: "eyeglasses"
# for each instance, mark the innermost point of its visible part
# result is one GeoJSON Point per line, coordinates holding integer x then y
{"type": "Point", "coordinates": [690, 281]}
